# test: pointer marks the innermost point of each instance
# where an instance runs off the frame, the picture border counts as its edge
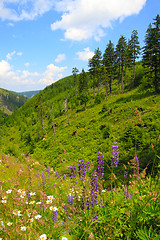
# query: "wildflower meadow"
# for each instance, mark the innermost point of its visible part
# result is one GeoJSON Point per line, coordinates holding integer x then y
{"type": "Point", "coordinates": [37, 202]}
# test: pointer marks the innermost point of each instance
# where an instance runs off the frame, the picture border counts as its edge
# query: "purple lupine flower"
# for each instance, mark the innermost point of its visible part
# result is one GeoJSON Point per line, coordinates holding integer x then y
{"type": "Point", "coordinates": [87, 203]}
{"type": "Point", "coordinates": [82, 166]}
{"type": "Point", "coordinates": [127, 194]}
{"type": "Point", "coordinates": [125, 174]}
{"type": "Point", "coordinates": [55, 218]}
{"type": "Point", "coordinates": [47, 169]}
{"type": "Point", "coordinates": [28, 196]}
{"type": "Point", "coordinates": [94, 188]}
{"type": "Point", "coordinates": [70, 200]}
{"type": "Point", "coordinates": [136, 165]}
{"type": "Point", "coordinates": [95, 219]}
{"type": "Point", "coordinates": [101, 203]}
{"type": "Point", "coordinates": [100, 165]}
{"type": "Point", "coordinates": [64, 176]}
{"type": "Point", "coordinates": [115, 155]}
{"type": "Point", "coordinates": [73, 173]}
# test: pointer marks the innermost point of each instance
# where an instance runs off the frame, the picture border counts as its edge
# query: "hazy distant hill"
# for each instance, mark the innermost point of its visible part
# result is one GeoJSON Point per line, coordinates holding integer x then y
{"type": "Point", "coordinates": [9, 102]}
{"type": "Point", "coordinates": [28, 94]}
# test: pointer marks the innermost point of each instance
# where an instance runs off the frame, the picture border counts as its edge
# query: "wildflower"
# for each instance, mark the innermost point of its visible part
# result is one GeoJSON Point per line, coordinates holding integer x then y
{"type": "Point", "coordinates": [55, 218]}
{"type": "Point", "coordinates": [70, 200]}
{"type": "Point", "coordinates": [94, 187]}
{"type": "Point", "coordinates": [17, 212]}
{"type": "Point", "coordinates": [64, 238]}
{"type": "Point", "coordinates": [19, 190]}
{"type": "Point", "coordinates": [100, 165]}
{"type": "Point", "coordinates": [9, 224]}
{"type": "Point", "coordinates": [23, 228]}
{"type": "Point", "coordinates": [103, 190]}
{"type": "Point", "coordinates": [8, 191]}
{"type": "Point", "coordinates": [48, 201]}
{"type": "Point", "coordinates": [43, 237]}
{"type": "Point", "coordinates": [136, 165]}
{"type": "Point", "coordinates": [31, 220]}
{"type": "Point", "coordinates": [73, 173]}
{"type": "Point", "coordinates": [50, 197]}
{"type": "Point", "coordinates": [38, 216]}
{"type": "Point", "coordinates": [115, 155]}
{"type": "Point", "coordinates": [4, 201]}
{"type": "Point", "coordinates": [127, 194]}
{"type": "Point", "coordinates": [38, 203]}
{"type": "Point", "coordinates": [32, 202]}
{"type": "Point", "coordinates": [82, 166]}
{"type": "Point", "coordinates": [32, 194]}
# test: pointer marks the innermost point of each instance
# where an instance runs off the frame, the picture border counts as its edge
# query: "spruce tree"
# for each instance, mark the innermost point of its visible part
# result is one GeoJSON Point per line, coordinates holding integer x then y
{"type": "Point", "coordinates": [109, 62]}
{"type": "Point", "coordinates": [134, 50]}
{"type": "Point", "coordinates": [151, 53]}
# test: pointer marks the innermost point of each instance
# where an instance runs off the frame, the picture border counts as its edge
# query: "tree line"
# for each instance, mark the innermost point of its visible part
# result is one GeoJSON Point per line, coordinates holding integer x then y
{"type": "Point", "coordinates": [116, 61]}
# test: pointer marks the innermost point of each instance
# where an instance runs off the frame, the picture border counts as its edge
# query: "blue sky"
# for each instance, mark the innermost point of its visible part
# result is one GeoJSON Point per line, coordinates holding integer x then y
{"type": "Point", "coordinates": [42, 40]}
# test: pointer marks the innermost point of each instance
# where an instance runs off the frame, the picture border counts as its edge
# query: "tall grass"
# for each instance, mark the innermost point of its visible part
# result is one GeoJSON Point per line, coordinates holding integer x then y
{"type": "Point", "coordinates": [37, 202]}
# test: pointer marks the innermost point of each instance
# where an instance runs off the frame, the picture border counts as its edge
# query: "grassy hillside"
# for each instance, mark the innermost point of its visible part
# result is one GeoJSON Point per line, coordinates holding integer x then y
{"type": "Point", "coordinates": [130, 118]}
{"type": "Point", "coordinates": [9, 102]}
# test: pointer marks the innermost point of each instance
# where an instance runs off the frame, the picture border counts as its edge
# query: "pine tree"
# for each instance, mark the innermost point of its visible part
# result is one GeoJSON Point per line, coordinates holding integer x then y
{"type": "Point", "coordinates": [95, 65]}
{"type": "Point", "coordinates": [121, 53]}
{"type": "Point", "coordinates": [134, 50]}
{"type": "Point", "coordinates": [109, 62]}
{"type": "Point", "coordinates": [151, 53]}
{"type": "Point", "coordinates": [75, 71]}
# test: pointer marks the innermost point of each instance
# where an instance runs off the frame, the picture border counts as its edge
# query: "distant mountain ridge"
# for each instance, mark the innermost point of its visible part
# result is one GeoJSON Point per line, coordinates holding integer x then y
{"type": "Point", "coordinates": [9, 102]}
{"type": "Point", "coordinates": [28, 94]}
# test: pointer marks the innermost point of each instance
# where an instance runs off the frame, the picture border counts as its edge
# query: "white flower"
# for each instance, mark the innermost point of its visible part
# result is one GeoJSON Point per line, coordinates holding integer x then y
{"type": "Point", "coordinates": [8, 191]}
{"type": "Point", "coordinates": [49, 201]}
{"type": "Point", "coordinates": [50, 197]}
{"type": "Point", "coordinates": [16, 212]}
{"type": "Point", "coordinates": [64, 238]}
{"type": "Point", "coordinates": [43, 237]}
{"type": "Point", "coordinates": [32, 194]}
{"type": "Point", "coordinates": [54, 209]}
{"type": "Point", "coordinates": [31, 220]}
{"type": "Point", "coordinates": [23, 228]}
{"type": "Point", "coordinates": [19, 190]}
{"type": "Point", "coordinates": [103, 190]}
{"type": "Point", "coordinates": [32, 202]}
{"type": "Point", "coordinates": [38, 216]}
{"type": "Point", "coordinates": [9, 224]}
{"type": "Point", "coordinates": [38, 203]}
{"type": "Point", "coordinates": [4, 201]}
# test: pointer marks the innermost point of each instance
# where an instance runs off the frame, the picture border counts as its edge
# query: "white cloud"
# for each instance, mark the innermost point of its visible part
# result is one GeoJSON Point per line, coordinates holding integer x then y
{"type": "Point", "coordinates": [60, 58]}
{"type": "Point", "coordinates": [13, 80]}
{"type": "Point", "coordinates": [85, 55]}
{"type": "Point", "coordinates": [83, 19]}
{"type": "Point", "coordinates": [52, 74]}
{"type": "Point", "coordinates": [9, 55]}
{"type": "Point", "coordinates": [17, 10]}
{"type": "Point", "coordinates": [19, 54]}
{"type": "Point", "coordinates": [27, 64]}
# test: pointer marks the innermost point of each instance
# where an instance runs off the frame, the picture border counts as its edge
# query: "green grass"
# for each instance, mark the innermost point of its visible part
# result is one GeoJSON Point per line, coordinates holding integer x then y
{"type": "Point", "coordinates": [130, 210]}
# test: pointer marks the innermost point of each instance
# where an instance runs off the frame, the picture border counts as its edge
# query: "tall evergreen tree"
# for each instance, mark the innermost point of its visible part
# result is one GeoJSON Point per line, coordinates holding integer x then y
{"type": "Point", "coordinates": [109, 62]}
{"type": "Point", "coordinates": [151, 53]}
{"type": "Point", "coordinates": [134, 49]}
{"type": "Point", "coordinates": [75, 71]}
{"type": "Point", "coordinates": [94, 66]}
{"type": "Point", "coordinates": [121, 53]}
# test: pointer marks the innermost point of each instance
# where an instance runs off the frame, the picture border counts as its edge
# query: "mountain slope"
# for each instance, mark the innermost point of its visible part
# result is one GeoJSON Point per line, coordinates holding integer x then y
{"type": "Point", "coordinates": [131, 118]}
{"type": "Point", "coordinates": [9, 102]}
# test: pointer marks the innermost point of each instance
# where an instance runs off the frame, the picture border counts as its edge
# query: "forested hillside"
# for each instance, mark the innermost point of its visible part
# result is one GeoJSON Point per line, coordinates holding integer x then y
{"type": "Point", "coordinates": [9, 101]}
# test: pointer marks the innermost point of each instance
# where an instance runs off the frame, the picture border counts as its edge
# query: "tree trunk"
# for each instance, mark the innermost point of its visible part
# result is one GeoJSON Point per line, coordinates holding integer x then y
{"type": "Point", "coordinates": [53, 123]}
